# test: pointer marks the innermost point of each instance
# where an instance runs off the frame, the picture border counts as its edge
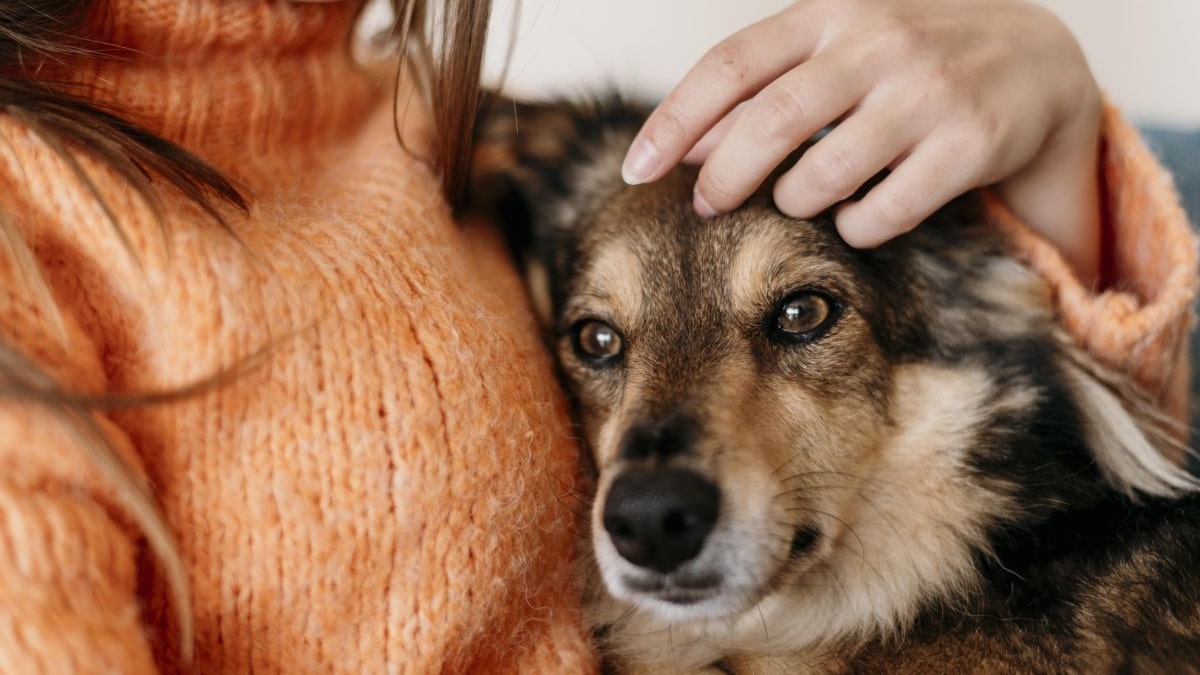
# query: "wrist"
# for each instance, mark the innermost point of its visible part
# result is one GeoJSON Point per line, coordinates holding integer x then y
{"type": "Point", "coordinates": [1058, 194]}
{"type": "Point", "coordinates": [1060, 200]}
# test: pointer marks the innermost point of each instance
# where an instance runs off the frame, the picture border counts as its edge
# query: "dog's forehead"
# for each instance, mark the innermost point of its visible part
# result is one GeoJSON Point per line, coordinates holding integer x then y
{"type": "Point", "coordinates": [649, 237]}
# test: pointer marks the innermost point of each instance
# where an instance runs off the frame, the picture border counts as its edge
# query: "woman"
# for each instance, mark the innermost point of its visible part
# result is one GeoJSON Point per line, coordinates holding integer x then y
{"type": "Point", "coordinates": [334, 501]}
{"type": "Point", "coordinates": [264, 396]}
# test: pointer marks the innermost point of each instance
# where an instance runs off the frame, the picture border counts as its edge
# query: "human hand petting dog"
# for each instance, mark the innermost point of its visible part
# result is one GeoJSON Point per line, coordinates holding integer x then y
{"type": "Point", "coordinates": [948, 94]}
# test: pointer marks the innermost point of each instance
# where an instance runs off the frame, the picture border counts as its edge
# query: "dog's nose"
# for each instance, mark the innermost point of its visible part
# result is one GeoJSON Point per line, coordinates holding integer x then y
{"type": "Point", "coordinates": [660, 519]}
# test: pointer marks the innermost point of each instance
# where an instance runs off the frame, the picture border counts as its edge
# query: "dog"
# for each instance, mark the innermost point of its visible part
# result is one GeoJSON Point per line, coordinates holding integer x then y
{"type": "Point", "coordinates": [811, 458]}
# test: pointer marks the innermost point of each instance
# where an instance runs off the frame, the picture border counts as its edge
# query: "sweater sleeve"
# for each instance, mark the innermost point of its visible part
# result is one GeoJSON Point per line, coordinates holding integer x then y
{"type": "Point", "coordinates": [1138, 321]}
{"type": "Point", "coordinates": [68, 552]}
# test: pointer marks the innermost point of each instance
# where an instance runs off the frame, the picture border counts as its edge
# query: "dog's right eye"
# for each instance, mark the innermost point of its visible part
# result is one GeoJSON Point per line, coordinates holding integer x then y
{"type": "Point", "coordinates": [596, 341]}
{"type": "Point", "coordinates": [803, 316]}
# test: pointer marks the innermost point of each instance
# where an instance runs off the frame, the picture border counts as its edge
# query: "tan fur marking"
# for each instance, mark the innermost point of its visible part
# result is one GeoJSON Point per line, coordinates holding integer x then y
{"type": "Point", "coordinates": [538, 280]}
{"type": "Point", "coordinates": [614, 285]}
{"type": "Point", "coordinates": [1020, 292]}
{"type": "Point", "coordinates": [766, 263]}
{"type": "Point", "coordinates": [751, 272]}
{"type": "Point", "coordinates": [1125, 431]}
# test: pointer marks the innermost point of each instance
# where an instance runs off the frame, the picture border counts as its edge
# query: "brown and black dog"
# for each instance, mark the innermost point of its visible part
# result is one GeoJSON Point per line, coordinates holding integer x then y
{"type": "Point", "coordinates": [819, 459]}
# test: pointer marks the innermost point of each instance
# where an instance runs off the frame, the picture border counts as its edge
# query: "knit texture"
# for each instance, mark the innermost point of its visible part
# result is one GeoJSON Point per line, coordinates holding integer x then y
{"type": "Point", "coordinates": [392, 490]}
{"type": "Point", "coordinates": [389, 492]}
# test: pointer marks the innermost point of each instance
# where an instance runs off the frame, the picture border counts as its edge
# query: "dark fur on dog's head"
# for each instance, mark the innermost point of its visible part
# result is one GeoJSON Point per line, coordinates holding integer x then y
{"type": "Point", "coordinates": [800, 445]}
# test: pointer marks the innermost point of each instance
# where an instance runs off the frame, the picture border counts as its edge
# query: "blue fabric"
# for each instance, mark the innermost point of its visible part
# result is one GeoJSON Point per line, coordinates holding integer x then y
{"type": "Point", "coordinates": [1180, 152]}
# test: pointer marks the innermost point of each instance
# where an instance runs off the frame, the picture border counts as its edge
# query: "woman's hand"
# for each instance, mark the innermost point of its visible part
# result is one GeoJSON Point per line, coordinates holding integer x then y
{"type": "Point", "coordinates": [948, 94]}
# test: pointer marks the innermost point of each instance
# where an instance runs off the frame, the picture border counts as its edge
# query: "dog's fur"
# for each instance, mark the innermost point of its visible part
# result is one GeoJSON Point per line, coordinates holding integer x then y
{"type": "Point", "coordinates": [928, 479]}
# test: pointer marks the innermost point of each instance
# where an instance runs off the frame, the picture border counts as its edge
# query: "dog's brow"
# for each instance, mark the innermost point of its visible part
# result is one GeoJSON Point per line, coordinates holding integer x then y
{"type": "Point", "coordinates": [589, 301]}
{"type": "Point", "coordinates": [614, 279]}
{"type": "Point", "coordinates": [753, 264]}
{"type": "Point", "coordinates": [769, 262]}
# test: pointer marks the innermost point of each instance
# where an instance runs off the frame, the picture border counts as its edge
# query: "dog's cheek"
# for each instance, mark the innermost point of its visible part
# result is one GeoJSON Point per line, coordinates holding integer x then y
{"type": "Point", "coordinates": [756, 508]}
{"type": "Point", "coordinates": [779, 436]}
{"type": "Point", "coordinates": [831, 444]}
{"type": "Point", "coordinates": [596, 392]}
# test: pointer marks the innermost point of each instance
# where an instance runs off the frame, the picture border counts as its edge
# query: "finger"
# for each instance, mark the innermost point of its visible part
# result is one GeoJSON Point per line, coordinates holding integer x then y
{"type": "Point", "coordinates": [725, 76]}
{"type": "Point", "coordinates": [835, 167]}
{"type": "Point", "coordinates": [704, 147]}
{"type": "Point", "coordinates": [923, 183]}
{"type": "Point", "coordinates": [774, 123]}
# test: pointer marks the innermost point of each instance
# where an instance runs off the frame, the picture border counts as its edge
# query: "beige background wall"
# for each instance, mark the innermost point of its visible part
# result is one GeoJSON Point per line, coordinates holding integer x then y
{"type": "Point", "coordinates": [1145, 53]}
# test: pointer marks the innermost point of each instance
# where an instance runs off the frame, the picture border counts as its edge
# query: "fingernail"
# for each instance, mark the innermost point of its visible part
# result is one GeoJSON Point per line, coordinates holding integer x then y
{"type": "Point", "coordinates": [640, 163]}
{"type": "Point", "coordinates": [703, 208]}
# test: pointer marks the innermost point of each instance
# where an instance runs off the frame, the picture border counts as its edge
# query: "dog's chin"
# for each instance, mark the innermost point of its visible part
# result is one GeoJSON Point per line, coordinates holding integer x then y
{"type": "Point", "coordinates": [663, 597]}
{"type": "Point", "coordinates": [711, 587]}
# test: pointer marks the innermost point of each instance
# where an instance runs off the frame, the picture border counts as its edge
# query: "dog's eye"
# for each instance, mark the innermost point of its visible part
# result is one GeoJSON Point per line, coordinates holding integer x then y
{"type": "Point", "coordinates": [597, 341]}
{"type": "Point", "coordinates": [803, 316]}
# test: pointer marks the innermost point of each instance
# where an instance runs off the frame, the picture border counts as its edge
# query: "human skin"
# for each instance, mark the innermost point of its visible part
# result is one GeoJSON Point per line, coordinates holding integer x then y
{"type": "Point", "coordinates": [949, 94]}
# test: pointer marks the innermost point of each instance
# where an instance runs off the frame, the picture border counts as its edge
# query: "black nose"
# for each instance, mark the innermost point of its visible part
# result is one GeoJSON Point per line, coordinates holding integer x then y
{"type": "Point", "coordinates": [660, 519]}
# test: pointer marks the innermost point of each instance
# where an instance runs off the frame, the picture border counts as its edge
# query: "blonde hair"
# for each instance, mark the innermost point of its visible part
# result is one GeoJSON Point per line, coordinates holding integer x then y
{"type": "Point", "coordinates": [444, 49]}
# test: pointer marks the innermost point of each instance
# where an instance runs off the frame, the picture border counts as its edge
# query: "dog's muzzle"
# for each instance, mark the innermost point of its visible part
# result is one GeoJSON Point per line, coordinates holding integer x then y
{"type": "Point", "coordinates": [659, 519]}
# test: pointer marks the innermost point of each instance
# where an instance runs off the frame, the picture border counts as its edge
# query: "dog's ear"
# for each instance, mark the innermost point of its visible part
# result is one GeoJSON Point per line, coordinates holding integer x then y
{"type": "Point", "coordinates": [537, 168]}
{"type": "Point", "coordinates": [541, 164]}
{"type": "Point", "coordinates": [540, 147]}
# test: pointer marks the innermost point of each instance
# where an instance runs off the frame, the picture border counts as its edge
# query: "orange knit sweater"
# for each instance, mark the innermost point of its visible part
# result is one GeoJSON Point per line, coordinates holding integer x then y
{"type": "Point", "coordinates": [391, 491]}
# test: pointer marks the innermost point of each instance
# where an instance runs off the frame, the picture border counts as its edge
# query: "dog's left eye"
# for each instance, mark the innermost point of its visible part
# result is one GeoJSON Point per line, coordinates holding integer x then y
{"type": "Point", "coordinates": [803, 316]}
{"type": "Point", "coordinates": [596, 341]}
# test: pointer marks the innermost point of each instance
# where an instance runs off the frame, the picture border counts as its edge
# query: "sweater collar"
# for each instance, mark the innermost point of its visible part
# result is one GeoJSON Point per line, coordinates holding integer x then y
{"type": "Point", "coordinates": [236, 81]}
